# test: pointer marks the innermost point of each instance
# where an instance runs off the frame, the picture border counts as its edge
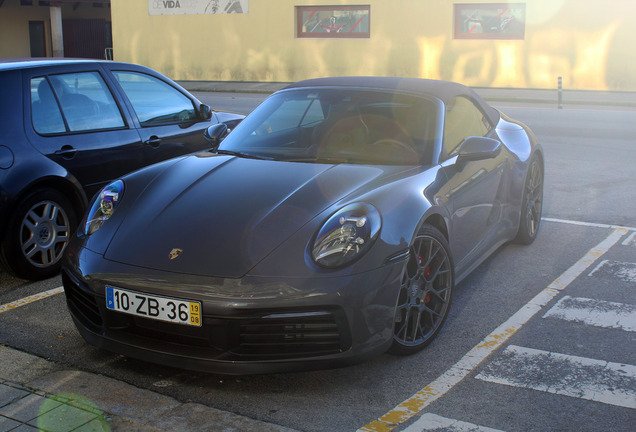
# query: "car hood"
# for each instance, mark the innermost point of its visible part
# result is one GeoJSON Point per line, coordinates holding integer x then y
{"type": "Point", "coordinates": [220, 215]}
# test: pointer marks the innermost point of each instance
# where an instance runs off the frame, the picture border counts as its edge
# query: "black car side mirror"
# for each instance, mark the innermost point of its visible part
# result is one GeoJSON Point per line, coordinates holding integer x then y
{"type": "Point", "coordinates": [205, 112]}
{"type": "Point", "coordinates": [476, 148]}
{"type": "Point", "coordinates": [215, 134]}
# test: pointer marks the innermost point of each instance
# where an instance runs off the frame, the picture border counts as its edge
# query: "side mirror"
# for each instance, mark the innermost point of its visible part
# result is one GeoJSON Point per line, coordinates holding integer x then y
{"type": "Point", "coordinates": [215, 134]}
{"type": "Point", "coordinates": [205, 112]}
{"type": "Point", "coordinates": [477, 148]}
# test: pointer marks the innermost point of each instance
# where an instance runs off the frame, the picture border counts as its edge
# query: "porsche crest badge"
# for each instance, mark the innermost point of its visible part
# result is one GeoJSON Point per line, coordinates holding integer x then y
{"type": "Point", "coordinates": [174, 253]}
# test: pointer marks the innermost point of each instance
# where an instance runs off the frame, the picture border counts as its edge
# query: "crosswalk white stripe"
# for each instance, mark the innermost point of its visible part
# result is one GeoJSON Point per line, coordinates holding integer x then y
{"type": "Point", "coordinates": [625, 271]}
{"type": "Point", "coordinates": [579, 377]}
{"type": "Point", "coordinates": [596, 313]}
{"type": "Point", "coordinates": [433, 422]}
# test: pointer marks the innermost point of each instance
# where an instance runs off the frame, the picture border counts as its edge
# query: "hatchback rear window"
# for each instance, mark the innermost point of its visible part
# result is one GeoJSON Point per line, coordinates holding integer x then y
{"type": "Point", "coordinates": [74, 102]}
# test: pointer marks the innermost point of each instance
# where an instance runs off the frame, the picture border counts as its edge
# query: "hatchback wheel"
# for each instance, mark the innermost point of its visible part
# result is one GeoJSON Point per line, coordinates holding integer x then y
{"type": "Point", "coordinates": [38, 234]}
{"type": "Point", "coordinates": [425, 294]}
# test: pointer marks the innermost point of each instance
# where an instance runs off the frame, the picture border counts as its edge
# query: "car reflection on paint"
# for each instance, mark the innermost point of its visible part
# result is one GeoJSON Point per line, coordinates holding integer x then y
{"type": "Point", "coordinates": [332, 225]}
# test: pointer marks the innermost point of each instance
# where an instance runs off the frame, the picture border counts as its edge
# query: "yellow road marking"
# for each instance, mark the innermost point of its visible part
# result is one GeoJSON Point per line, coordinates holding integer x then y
{"type": "Point", "coordinates": [25, 301]}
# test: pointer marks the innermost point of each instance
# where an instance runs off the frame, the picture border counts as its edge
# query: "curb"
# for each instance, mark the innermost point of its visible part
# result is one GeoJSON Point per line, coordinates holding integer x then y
{"type": "Point", "coordinates": [39, 393]}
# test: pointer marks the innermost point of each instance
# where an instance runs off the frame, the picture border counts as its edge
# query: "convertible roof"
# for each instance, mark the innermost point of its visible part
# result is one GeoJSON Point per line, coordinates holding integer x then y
{"type": "Point", "coordinates": [443, 90]}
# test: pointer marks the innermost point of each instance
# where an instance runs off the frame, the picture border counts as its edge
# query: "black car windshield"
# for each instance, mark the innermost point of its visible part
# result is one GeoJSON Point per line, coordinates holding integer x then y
{"type": "Point", "coordinates": [338, 126]}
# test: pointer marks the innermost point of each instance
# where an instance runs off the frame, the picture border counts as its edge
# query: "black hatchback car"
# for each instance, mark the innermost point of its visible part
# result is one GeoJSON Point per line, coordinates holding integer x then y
{"type": "Point", "coordinates": [67, 128]}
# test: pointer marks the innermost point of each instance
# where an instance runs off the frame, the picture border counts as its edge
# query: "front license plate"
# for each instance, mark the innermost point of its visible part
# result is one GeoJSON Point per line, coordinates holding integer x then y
{"type": "Point", "coordinates": [173, 310]}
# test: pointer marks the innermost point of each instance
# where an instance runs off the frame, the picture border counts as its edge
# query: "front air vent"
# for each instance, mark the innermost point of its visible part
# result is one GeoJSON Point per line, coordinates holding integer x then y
{"type": "Point", "coordinates": [82, 304]}
{"type": "Point", "coordinates": [290, 335]}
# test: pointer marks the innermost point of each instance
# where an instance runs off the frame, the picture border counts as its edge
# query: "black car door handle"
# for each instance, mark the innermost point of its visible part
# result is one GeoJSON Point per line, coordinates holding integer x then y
{"type": "Point", "coordinates": [153, 141]}
{"type": "Point", "coordinates": [67, 152]}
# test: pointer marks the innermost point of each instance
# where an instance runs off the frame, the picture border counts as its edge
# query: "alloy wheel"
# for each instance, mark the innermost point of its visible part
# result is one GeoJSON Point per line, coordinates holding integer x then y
{"type": "Point", "coordinates": [425, 293]}
{"type": "Point", "coordinates": [44, 233]}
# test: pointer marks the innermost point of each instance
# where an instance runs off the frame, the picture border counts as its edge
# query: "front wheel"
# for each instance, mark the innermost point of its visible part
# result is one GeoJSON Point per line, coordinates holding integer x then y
{"type": "Point", "coordinates": [38, 234]}
{"type": "Point", "coordinates": [425, 294]}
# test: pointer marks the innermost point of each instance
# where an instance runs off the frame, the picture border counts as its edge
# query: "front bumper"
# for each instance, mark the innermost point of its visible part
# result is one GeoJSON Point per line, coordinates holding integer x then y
{"type": "Point", "coordinates": [250, 325]}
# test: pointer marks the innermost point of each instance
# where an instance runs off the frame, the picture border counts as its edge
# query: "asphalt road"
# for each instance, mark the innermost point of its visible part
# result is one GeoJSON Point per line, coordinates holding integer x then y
{"type": "Point", "coordinates": [510, 356]}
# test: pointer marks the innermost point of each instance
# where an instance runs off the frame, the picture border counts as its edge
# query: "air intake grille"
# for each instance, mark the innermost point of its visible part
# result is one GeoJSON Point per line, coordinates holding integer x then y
{"type": "Point", "coordinates": [290, 335]}
{"type": "Point", "coordinates": [82, 305]}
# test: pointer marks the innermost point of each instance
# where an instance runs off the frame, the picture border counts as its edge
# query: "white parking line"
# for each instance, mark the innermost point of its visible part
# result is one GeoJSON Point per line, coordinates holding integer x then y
{"type": "Point", "coordinates": [566, 375]}
{"type": "Point", "coordinates": [630, 240]}
{"type": "Point", "coordinates": [597, 313]}
{"type": "Point", "coordinates": [493, 341]}
{"type": "Point", "coordinates": [26, 300]}
{"type": "Point", "coordinates": [433, 422]}
{"type": "Point", "coordinates": [587, 224]}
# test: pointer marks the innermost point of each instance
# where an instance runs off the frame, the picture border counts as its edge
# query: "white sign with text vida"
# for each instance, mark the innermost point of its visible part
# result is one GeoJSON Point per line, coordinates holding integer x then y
{"type": "Point", "coordinates": [196, 7]}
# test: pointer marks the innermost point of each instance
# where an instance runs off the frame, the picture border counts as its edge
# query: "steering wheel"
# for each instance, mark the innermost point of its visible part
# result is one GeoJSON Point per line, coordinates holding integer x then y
{"type": "Point", "coordinates": [390, 143]}
{"type": "Point", "coordinates": [263, 129]}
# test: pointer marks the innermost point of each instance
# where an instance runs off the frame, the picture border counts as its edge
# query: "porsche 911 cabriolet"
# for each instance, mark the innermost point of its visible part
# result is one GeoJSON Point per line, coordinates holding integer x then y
{"type": "Point", "coordinates": [331, 225]}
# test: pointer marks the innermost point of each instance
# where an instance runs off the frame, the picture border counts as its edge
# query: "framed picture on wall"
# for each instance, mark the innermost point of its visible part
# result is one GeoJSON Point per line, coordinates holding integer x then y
{"type": "Point", "coordinates": [505, 21]}
{"type": "Point", "coordinates": [340, 22]}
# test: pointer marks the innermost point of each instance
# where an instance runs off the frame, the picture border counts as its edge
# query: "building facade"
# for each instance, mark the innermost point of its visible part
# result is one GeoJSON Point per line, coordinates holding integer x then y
{"type": "Point", "coordinates": [526, 44]}
{"type": "Point", "coordinates": [63, 28]}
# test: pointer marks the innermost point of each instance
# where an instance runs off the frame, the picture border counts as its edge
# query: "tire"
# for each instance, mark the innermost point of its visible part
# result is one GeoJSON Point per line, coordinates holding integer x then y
{"type": "Point", "coordinates": [531, 203]}
{"type": "Point", "coordinates": [426, 292]}
{"type": "Point", "coordinates": [37, 235]}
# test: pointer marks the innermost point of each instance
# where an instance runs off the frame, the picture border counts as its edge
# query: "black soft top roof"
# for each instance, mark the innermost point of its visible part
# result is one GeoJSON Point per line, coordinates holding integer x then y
{"type": "Point", "coordinates": [443, 90]}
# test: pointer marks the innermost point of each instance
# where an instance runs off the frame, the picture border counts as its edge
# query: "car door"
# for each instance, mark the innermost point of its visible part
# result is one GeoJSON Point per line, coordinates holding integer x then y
{"type": "Point", "coordinates": [169, 121]}
{"type": "Point", "coordinates": [474, 187]}
{"type": "Point", "coordinates": [73, 117]}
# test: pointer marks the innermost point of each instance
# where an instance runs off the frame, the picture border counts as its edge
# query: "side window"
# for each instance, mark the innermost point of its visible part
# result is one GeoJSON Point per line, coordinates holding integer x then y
{"type": "Point", "coordinates": [155, 101]}
{"type": "Point", "coordinates": [463, 119]}
{"type": "Point", "coordinates": [85, 100]}
{"type": "Point", "coordinates": [313, 114]}
{"type": "Point", "coordinates": [45, 112]}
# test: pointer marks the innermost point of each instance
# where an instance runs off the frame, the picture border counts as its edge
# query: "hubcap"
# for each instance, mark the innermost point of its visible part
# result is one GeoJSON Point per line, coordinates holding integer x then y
{"type": "Point", "coordinates": [425, 292]}
{"type": "Point", "coordinates": [44, 234]}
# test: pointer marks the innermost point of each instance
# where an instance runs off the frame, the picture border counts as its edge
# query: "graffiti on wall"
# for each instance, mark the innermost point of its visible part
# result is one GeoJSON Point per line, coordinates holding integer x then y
{"type": "Point", "coordinates": [196, 7]}
{"type": "Point", "coordinates": [580, 58]}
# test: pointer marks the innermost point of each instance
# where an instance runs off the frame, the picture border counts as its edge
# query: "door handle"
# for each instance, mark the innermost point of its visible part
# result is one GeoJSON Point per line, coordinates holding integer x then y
{"type": "Point", "coordinates": [67, 152]}
{"type": "Point", "coordinates": [153, 141]}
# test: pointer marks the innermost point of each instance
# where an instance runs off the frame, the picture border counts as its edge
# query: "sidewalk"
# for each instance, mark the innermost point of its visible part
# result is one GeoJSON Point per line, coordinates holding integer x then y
{"type": "Point", "coordinates": [36, 394]}
{"type": "Point", "coordinates": [539, 96]}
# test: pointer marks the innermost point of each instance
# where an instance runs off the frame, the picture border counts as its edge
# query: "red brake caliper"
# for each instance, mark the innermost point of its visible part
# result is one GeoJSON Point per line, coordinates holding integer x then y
{"type": "Point", "coordinates": [427, 274]}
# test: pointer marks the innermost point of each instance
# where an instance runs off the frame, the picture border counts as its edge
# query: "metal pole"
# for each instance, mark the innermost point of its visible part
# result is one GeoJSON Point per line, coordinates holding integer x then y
{"type": "Point", "coordinates": [560, 94]}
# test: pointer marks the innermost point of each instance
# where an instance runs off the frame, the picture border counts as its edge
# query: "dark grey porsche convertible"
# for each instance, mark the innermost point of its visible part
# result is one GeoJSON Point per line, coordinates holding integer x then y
{"type": "Point", "coordinates": [331, 225]}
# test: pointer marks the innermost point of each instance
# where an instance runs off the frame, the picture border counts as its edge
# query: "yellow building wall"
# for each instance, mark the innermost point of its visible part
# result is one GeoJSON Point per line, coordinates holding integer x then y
{"type": "Point", "coordinates": [14, 28]}
{"type": "Point", "coordinates": [590, 43]}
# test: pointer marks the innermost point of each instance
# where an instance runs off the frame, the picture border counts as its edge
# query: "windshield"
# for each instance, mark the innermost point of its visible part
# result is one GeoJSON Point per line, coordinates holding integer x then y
{"type": "Point", "coordinates": [338, 126]}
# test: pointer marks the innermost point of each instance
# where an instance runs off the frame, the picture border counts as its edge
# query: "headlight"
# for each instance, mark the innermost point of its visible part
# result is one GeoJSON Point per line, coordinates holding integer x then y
{"type": "Point", "coordinates": [104, 206]}
{"type": "Point", "coordinates": [346, 235]}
